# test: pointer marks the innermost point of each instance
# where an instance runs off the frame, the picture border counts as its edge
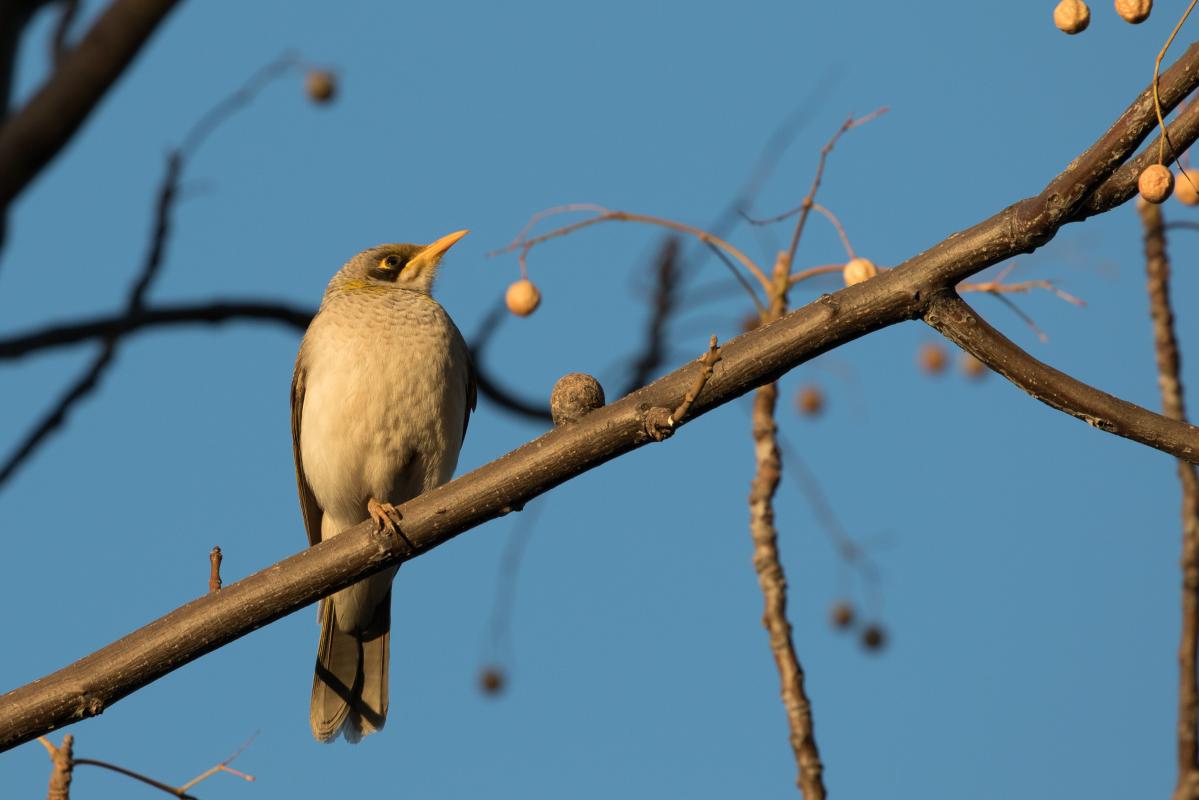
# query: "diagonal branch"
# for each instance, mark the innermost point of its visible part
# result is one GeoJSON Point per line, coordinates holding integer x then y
{"type": "Point", "coordinates": [959, 323]}
{"type": "Point", "coordinates": [32, 136]}
{"type": "Point", "coordinates": [89, 379]}
{"type": "Point", "coordinates": [921, 287]}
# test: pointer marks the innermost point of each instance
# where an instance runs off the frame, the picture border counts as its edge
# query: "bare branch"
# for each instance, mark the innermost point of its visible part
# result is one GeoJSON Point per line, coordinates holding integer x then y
{"type": "Point", "coordinates": [62, 759]}
{"type": "Point", "coordinates": [490, 387]}
{"type": "Point", "coordinates": [167, 315]}
{"type": "Point", "coordinates": [959, 323]}
{"type": "Point", "coordinates": [89, 379]}
{"type": "Point", "coordinates": [665, 299]}
{"type": "Point", "coordinates": [921, 287]}
{"type": "Point", "coordinates": [771, 577]}
{"type": "Point", "coordinates": [31, 137]}
{"type": "Point", "coordinates": [1157, 267]}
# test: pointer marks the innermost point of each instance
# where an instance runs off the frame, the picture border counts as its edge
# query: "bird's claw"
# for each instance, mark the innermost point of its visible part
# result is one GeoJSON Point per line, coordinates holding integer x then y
{"type": "Point", "coordinates": [385, 516]}
{"type": "Point", "coordinates": [388, 518]}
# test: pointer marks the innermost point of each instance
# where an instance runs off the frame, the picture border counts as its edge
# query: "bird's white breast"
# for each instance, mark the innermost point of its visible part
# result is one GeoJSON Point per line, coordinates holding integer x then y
{"type": "Point", "coordinates": [384, 403]}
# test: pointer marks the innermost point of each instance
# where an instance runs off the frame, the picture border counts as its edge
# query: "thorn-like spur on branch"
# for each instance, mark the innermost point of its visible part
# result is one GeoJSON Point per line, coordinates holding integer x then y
{"type": "Point", "coordinates": [32, 136]}
{"type": "Point", "coordinates": [660, 423]}
{"type": "Point", "coordinates": [921, 286]}
{"type": "Point", "coordinates": [954, 319]}
{"type": "Point", "coordinates": [214, 569]}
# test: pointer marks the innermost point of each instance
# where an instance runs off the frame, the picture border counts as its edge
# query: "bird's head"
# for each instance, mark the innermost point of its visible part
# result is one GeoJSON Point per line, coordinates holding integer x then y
{"type": "Point", "coordinates": [400, 266]}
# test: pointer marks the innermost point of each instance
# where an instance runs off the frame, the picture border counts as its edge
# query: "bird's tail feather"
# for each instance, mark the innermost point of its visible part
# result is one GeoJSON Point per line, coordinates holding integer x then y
{"type": "Point", "coordinates": [349, 689]}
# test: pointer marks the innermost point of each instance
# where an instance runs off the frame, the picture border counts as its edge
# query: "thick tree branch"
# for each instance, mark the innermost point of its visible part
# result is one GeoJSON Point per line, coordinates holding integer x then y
{"type": "Point", "coordinates": [922, 286]}
{"type": "Point", "coordinates": [958, 322]}
{"type": "Point", "coordinates": [32, 136]}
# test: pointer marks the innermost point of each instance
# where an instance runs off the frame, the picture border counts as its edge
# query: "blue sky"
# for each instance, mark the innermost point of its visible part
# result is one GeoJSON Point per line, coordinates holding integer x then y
{"type": "Point", "coordinates": [1028, 562]}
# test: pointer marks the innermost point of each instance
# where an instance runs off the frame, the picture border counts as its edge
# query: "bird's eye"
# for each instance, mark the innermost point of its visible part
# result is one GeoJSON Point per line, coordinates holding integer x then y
{"type": "Point", "coordinates": [392, 262]}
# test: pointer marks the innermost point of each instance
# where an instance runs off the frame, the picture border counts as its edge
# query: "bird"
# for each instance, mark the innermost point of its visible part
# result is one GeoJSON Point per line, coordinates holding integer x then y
{"type": "Point", "coordinates": [381, 397]}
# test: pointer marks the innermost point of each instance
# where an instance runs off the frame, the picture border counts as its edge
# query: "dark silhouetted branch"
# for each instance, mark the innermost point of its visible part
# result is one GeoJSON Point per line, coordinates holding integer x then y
{"type": "Point", "coordinates": [164, 207]}
{"type": "Point", "coordinates": [32, 136]}
{"type": "Point", "coordinates": [167, 315]}
{"type": "Point", "coordinates": [488, 386]}
{"type": "Point", "coordinates": [665, 301]}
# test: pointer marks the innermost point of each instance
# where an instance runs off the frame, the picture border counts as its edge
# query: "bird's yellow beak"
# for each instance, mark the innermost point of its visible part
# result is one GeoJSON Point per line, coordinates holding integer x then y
{"type": "Point", "coordinates": [429, 257]}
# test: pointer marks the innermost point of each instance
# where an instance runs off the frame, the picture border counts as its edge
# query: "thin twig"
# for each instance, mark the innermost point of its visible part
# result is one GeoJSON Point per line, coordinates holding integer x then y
{"type": "Point", "coordinates": [836, 223]}
{"type": "Point", "coordinates": [805, 207]}
{"type": "Point", "coordinates": [524, 245]}
{"type": "Point", "coordinates": [664, 302]}
{"type": "Point", "coordinates": [67, 12]}
{"type": "Point", "coordinates": [223, 767]}
{"type": "Point", "coordinates": [708, 360]}
{"type": "Point", "coordinates": [771, 577]}
{"type": "Point", "coordinates": [490, 387]}
{"type": "Point", "coordinates": [214, 569]}
{"type": "Point", "coordinates": [1157, 267]}
{"type": "Point", "coordinates": [998, 287]}
{"type": "Point", "coordinates": [812, 272]}
{"type": "Point", "coordinates": [123, 324]}
{"type": "Point", "coordinates": [64, 762]}
{"type": "Point", "coordinates": [846, 547]}
{"type": "Point", "coordinates": [1157, 103]}
{"type": "Point", "coordinates": [89, 379]}
{"type": "Point", "coordinates": [137, 776]}
{"type": "Point", "coordinates": [500, 639]}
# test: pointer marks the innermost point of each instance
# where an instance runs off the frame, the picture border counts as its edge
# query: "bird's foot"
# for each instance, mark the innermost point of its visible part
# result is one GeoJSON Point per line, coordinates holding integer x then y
{"type": "Point", "coordinates": [385, 516]}
{"type": "Point", "coordinates": [388, 518]}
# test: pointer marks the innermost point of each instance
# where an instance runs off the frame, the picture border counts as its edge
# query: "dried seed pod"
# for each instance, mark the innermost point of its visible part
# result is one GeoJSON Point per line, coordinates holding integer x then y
{"type": "Point", "coordinates": [1155, 183]}
{"type": "Point", "coordinates": [874, 637]}
{"type": "Point", "coordinates": [491, 680]}
{"type": "Point", "coordinates": [809, 400]}
{"type": "Point", "coordinates": [932, 358]}
{"type": "Point", "coordinates": [841, 615]}
{"type": "Point", "coordinates": [971, 367]}
{"type": "Point", "coordinates": [858, 270]}
{"type": "Point", "coordinates": [522, 298]}
{"type": "Point", "coordinates": [321, 85]}
{"type": "Point", "coordinates": [1134, 11]}
{"type": "Point", "coordinates": [575, 395]}
{"type": "Point", "coordinates": [1072, 16]}
{"type": "Point", "coordinates": [1186, 189]}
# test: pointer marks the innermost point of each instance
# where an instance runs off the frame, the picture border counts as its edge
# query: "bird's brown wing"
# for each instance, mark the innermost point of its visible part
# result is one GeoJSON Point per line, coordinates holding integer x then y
{"type": "Point", "coordinates": [472, 387]}
{"type": "Point", "coordinates": [308, 505]}
{"type": "Point", "coordinates": [472, 390]}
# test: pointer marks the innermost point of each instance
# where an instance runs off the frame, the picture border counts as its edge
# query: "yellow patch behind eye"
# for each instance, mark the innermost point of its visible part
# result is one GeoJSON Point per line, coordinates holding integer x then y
{"type": "Point", "coordinates": [383, 265]}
